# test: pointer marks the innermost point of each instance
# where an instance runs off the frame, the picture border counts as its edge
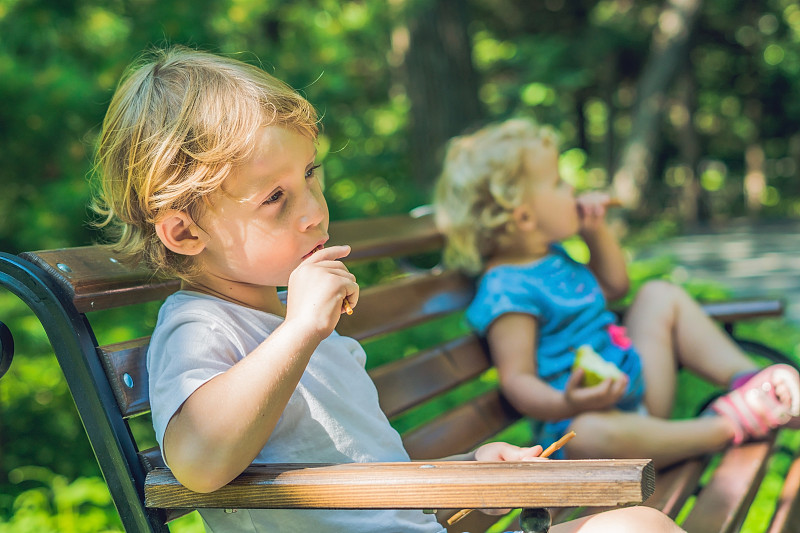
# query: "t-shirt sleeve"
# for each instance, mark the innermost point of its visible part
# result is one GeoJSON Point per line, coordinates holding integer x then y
{"type": "Point", "coordinates": [186, 351]}
{"type": "Point", "coordinates": [500, 292]}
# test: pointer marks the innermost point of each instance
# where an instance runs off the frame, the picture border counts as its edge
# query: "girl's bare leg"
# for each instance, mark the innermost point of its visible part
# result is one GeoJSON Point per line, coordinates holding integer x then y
{"type": "Point", "coordinates": [668, 329]}
{"type": "Point", "coordinates": [624, 435]}
{"type": "Point", "coordinates": [628, 520]}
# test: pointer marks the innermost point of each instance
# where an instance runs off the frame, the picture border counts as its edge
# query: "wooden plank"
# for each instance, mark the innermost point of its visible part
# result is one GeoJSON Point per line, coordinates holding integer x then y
{"type": "Point", "coordinates": [734, 311]}
{"type": "Point", "coordinates": [408, 382]}
{"type": "Point", "coordinates": [413, 485]}
{"type": "Point", "coordinates": [674, 485]}
{"type": "Point", "coordinates": [389, 236]}
{"type": "Point", "coordinates": [462, 428]}
{"type": "Point", "coordinates": [403, 303]}
{"type": "Point", "coordinates": [787, 513]}
{"type": "Point", "coordinates": [722, 504]}
{"type": "Point", "coordinates": [96, 279]}
{"type": "Point", "coordinates": [401, 384]}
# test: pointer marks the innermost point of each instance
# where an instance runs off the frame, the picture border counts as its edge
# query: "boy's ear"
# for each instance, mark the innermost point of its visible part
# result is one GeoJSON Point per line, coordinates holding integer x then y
{"type": "Point", "coordinates": [524, 218]}
{"type": "Point", "coordinates": [179, 233]}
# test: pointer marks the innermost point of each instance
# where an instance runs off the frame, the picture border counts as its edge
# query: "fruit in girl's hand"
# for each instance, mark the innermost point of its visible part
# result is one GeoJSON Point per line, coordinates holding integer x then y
{"type": "Point", "coordinates": [595, 368]}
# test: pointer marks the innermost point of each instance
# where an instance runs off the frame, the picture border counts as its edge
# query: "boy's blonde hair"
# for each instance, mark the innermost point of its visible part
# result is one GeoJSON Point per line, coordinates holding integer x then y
{"type": "Point", "coordinates": [179, 122]}
{"type": "Point", "coordinates": [480, 186]}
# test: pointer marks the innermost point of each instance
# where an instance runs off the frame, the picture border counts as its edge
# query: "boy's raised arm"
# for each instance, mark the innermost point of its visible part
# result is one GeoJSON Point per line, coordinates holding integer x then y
{"type": "Point", "coordinates": [224, 424]}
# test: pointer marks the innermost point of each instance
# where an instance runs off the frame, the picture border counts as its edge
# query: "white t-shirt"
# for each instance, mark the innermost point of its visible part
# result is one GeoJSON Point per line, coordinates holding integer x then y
{"type": "Point", "coordinates": [333, 415]}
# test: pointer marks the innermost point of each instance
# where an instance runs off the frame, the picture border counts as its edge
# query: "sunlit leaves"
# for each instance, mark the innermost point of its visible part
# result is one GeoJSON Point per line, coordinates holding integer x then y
{"type": "Point", "coordinates": [103, 28]}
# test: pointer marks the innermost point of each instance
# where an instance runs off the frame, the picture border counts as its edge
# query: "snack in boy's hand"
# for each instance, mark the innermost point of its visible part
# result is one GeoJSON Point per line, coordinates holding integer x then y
{"type": "Point", "coordinates": [345, 304]}
{"type": "Point", "coordinates": [595, 368]}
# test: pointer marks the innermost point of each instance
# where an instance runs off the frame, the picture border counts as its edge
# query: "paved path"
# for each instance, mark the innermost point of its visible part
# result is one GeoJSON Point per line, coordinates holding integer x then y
{"type": "Point", "coordinates": [753, 260]}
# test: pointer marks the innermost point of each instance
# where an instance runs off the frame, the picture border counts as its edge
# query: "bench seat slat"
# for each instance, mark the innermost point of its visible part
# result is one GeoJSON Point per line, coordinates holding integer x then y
{"type": "Point", "coordinates": [676, 484]}
{"type": "Point", "coordinates": [787, 513]}
{"type": "Point", "coordinates": [439, 485]}
{"type": "Point", "coordinates": [673, 488]}
{"type": "Point", "coordinates": [723, 503]}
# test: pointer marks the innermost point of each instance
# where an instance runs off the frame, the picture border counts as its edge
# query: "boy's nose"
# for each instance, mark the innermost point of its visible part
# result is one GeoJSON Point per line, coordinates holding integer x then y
{"type": "Point", "coordinates": [314, 213]}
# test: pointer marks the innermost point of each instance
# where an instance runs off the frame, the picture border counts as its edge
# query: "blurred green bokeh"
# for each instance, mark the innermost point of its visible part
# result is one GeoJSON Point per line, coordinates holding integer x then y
{"type": "Point", "coordinates": [728, 145]}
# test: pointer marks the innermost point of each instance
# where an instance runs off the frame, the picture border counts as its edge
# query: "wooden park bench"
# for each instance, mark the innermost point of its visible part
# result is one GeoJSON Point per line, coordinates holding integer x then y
{"type": "Point", "coordinates": [435, 381]}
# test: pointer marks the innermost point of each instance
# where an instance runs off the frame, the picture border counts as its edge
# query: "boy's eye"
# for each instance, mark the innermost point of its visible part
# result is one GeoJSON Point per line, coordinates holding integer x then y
{"type": "Point", "coordinates": [274, 197]}
{"type": "Point", "coordinates": [310, 171]}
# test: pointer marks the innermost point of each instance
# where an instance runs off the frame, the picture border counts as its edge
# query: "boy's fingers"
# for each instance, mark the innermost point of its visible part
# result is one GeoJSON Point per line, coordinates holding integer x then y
{"type": "Point", "coordinates": [350, 301]}
{"type": "Point", "coordinates": [531, 453]}
{"type": "Point", "coordinates": [330, 253]}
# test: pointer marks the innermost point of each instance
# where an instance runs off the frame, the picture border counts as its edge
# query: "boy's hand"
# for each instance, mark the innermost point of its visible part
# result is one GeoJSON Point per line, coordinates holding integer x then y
{"type": "Point", "coordinates": [317, 289]}
{"type": "Point", "coordinates": [503, 451]}
{"type": "Point", "coordinates": [592, 209]}
{"type": "Point", "coordinates": [595, 398]}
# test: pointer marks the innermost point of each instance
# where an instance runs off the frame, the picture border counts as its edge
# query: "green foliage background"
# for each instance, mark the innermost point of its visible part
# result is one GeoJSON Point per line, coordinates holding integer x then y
{"type": "Point", "coordinates": [572, 64]}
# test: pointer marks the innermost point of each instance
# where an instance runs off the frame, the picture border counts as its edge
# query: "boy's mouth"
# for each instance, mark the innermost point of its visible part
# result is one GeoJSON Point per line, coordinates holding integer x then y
{"type": "Point", "coordinates": [316, 249]}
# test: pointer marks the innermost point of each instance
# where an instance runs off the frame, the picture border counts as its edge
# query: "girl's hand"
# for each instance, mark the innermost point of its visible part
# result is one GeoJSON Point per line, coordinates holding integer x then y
{"type": "Point", "coordinates": [604, 395]}
{"type": "Point", "coordinates": [317, 289]}
{"type": "Point", "coordinates": [592, 209]}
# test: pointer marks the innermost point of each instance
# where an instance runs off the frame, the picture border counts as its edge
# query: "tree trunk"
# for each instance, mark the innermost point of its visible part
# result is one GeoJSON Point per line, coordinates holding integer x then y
{"type": "Point", "coordinates": [668, 51]}
{"type": "Point", "coordinates": [691, 202]}
{"type": "Point", "coordinates": [609, 82]}
{"type": "Point", "coordinates": [442, 84]}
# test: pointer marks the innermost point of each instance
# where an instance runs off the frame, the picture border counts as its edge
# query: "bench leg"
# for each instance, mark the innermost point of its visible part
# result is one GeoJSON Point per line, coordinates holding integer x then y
{"type": "Point", "coordinates": [535, 520]}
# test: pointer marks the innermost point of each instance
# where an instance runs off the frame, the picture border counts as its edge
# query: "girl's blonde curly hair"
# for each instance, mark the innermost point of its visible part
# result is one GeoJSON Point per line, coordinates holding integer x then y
{"type": "Point", "coordinates": [177, 124]}
{"type": "Point", "coordinates": [480, 186]}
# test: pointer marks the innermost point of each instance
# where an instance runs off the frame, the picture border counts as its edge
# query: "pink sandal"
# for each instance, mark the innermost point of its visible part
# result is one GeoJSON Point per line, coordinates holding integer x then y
{"type": "Point", "coordinates": [765, 401]}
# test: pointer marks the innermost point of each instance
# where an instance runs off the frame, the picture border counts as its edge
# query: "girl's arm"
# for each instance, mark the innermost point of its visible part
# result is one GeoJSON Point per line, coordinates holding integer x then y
{"type": "Point", "coordinates": [607, 261]}
{"type": "Point", "coordinates": [512, 341]}
{"type": "Point", "coordinates": [225, 423]}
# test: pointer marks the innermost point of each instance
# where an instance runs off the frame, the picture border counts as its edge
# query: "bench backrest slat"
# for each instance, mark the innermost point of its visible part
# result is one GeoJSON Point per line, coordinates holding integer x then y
{"type": "Point", "coordinates": [421, 297]}
{"type": "Point", "coordinates": [97, 280]}
{"type": "Point", "coordinates": [410, 381]}
{"type": "Point", "coordinates": [415, 299]}
{"type": "Point", "coordinates": [401, 384]}
{"type": "Point", "coordinates": [391, 236]}
{"type": "Point", "coordinates": [462, 428]}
